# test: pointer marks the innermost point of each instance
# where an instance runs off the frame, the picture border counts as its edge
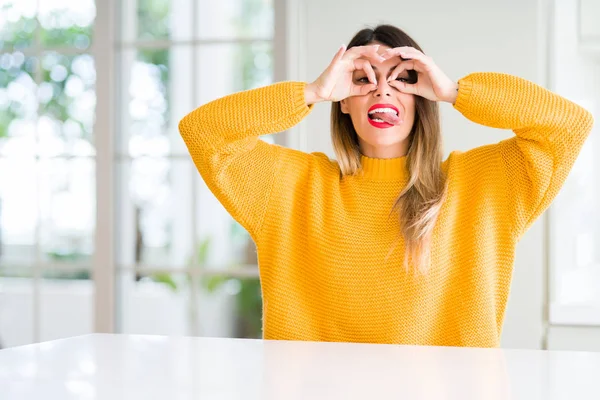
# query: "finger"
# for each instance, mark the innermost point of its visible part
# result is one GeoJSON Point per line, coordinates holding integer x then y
{"type": "Point", "coordinates": [338, 55]}
{"type": "Point", "coordinates": [404, 52]}
{"type": "Point", "coordinates": [421, 62]}
{"type": "Point", "coordinates": [404, 87]}
{"type": "Point", "coordinates": [364, 51]}
{"type": "Point", "coordinates": [396, 51]}
{"type": "Point", "coordinates": [400, 68]}
{"type": "Point", "coordinates": [366, 66]}
{"type": "Point", "coordinates": [416, 65]}
{"type": "Point", "coordinates": [361, 90]}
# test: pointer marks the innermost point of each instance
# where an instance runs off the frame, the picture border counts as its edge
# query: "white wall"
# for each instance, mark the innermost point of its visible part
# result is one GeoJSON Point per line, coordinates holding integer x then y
{"type": "Point", "coordinates": [462, 36]}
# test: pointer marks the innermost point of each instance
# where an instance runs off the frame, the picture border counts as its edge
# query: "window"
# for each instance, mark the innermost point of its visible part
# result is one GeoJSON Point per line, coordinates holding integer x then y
{"type": "Point", "coordinates": [47, 159]}
{"type": "Point", "coordinates": [575, 214]}
{"type": "Point", "coordinates": [181, 264]}
{"type": "Point", "coordinates": [184, 266]}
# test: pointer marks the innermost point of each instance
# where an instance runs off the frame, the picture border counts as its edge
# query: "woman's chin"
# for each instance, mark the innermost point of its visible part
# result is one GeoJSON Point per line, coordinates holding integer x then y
{"type": "Point", "coordinates": [383, 139]}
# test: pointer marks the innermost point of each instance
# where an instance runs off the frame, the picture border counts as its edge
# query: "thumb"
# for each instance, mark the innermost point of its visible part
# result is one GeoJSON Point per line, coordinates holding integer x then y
{"type": "Point", "coordinates": [361, 90]}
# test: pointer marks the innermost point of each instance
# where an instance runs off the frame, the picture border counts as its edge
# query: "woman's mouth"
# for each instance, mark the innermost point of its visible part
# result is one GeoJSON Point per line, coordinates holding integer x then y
{"type": "Point", "coordinates": [380, 125]}
{"type": "Point", "coordinates": [384, 116]}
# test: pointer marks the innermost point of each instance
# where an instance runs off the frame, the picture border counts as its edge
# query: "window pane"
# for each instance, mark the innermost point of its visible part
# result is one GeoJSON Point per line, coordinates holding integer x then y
{"type": "Point", "coordinates": [575, 213]}
{"type": "Point", "coordinates": [18, 104]}
{"type": "Point", "coordinates": [153, 19]}
{"type": "Point", "coordinates": [16, 307]}
{"type": "Point", "coordinates": [153, 305]}
{"type": "Point", "coordinates": [156, 99]}
{"type": "Point", "coordinates": [241, 67]}
{"type": "Point", "coordinates": [176, 304]}
{"type": "Point", "coordinates": [155, 220]}
{"type": "Point", "coordinates": [66, 23]}
{"type": "Point", "coordinates": [67, 209]}
{"type": "Point", "coordinates": [244, 307]}
{"type": "Point", "coordinates": [149, 20]}
{"type": "Point", "coordinates": [66, 304]}
{"type": "Point", "coordinates": [67, 104]}
{"type": "Point", "coordinates": [576, 222]}
{"type": "Point", "coordinates": [18, 210]}
{"type": "Point", "coordinates": [237, 19]}
{"type": "Point", "coordinates": [17, 24]}
{"type": "Point", "coordinates": [154, 223]}
{"type": "Point", "coordinates": [221, 242]}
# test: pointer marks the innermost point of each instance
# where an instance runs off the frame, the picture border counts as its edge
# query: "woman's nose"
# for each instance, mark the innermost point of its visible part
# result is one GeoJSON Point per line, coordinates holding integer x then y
{"type": "Point", "coordinates": [383, 88]}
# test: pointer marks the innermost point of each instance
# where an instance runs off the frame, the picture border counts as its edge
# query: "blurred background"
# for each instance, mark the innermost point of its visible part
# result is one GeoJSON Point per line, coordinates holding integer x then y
{"type": "Point", "coordinates": [105, 225]}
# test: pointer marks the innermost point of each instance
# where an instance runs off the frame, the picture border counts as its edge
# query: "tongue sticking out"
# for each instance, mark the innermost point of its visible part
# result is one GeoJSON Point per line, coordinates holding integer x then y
{"type": "Point", "coordinates": [390, 118]}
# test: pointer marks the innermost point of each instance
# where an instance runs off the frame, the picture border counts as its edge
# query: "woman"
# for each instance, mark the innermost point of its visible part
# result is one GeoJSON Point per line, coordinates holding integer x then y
{"type": "Point", "coordinates": [388, 244]}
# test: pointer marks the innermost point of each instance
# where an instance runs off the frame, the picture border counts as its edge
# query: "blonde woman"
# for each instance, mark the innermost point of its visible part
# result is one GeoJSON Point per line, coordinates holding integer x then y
{"type": "Point", "coordinates": [390, 243]}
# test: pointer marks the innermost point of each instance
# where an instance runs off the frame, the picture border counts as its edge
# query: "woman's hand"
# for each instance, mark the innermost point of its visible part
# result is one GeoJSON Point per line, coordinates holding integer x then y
{"type": "Point", "coordinates": [336, 83]}
{"type": "Point", "coordinates": [432, 82]}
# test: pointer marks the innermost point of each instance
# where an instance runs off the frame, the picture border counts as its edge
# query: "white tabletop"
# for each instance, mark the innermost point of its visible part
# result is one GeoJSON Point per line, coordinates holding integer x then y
{"type": "Point", "coordinates": [155, 367]}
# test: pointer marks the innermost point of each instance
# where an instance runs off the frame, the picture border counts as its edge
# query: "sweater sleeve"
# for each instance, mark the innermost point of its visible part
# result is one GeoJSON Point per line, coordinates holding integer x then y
{"type": "Point", "coordinates": [549, 134]}
{"type": "Point", "coordinates": [222, 137]}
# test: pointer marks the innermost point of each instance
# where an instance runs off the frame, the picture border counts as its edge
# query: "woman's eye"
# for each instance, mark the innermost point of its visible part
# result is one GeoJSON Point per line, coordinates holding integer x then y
{"type": "Point", "coordinates": [366, 80]}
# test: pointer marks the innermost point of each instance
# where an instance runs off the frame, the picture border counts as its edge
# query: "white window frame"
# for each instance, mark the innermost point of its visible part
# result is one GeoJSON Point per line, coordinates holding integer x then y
{"type": "Point", "coordinates": [105, 49]}
{"type": "Point", "coordinates": [557, 314]}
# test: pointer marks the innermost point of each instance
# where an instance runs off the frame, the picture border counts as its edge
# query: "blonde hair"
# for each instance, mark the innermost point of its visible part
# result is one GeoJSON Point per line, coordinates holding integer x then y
{"type": "Point", "coordinates": [419, 203]}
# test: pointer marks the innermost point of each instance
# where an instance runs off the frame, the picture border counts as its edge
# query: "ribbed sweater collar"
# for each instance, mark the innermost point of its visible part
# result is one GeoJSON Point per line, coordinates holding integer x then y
{"type": "Point", "coordinates": [384, 169]}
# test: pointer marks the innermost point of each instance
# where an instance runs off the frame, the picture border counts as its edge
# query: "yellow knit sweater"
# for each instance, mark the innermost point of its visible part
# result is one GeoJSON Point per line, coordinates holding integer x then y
{"type": "Point", "coordinates": [322, 241]}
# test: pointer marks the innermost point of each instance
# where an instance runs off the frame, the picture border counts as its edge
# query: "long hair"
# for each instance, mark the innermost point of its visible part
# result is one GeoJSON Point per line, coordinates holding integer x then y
{"type": "Point", "coordinates": [419, 203]}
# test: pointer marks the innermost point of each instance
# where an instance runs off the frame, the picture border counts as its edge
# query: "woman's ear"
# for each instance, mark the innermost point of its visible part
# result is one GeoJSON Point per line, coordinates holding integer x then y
{"type": "Point", "coordinates": [344, 106]}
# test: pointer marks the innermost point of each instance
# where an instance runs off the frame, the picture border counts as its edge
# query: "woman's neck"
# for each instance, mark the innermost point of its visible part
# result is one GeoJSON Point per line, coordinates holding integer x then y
{"type": "Point", "coordinates": [395, 151]}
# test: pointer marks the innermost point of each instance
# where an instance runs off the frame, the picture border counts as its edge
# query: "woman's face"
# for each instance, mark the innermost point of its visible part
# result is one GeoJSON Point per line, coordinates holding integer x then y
{"type": "Point", "coordinates": [378, 138]}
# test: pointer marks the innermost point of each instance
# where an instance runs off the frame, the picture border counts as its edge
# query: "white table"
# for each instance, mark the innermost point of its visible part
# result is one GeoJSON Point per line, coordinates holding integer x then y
{"type": "Point", "coordinates": [155, 367]}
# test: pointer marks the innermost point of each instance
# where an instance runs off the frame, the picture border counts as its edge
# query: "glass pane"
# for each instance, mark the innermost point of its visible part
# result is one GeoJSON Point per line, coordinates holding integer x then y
{"type": "Point", "coordinates": [67, 104]}
{"type": "Point", "coordinates": [66, 304]}
{"type": "Point", "coordinates": [177, 304]}
{"type": "Point", "coordinates": [18, 211]}
{"type": "Point", "coordinates": [221, 243]}
{"type": "Point", "coordinates": [153, 19]}
{"type": "Point", "coordinates": [17, 24]}
{"type": "Point", "coordinates": [150, 20]}
{"type": "Point", "coordinates": [576, 223]}
{"type": "Point", "coordinates": [236, 19]}
{"type": "Point", "coordinates": [67, 209]}
{"type": "Point", "coordinates": [241, 312]}
{"type": "Point", "coordinates": [66, 23]}
{"type": "Point", "coordinates": [18, 104]}
{"type": "Point", "coordinates": [240, 67]}
{"type": "Point", "coordinates": [154, 221]}
{"type": "Point", "coordinates": [153, 305]}
{"type": "Point", "coordinates": [157, 97]}
{"type": "Point", "coordinates": [16, 307]}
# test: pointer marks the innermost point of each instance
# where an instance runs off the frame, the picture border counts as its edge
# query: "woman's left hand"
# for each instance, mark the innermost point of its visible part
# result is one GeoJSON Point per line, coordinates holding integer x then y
{"type": "Point", "coordinates": [432, 83]}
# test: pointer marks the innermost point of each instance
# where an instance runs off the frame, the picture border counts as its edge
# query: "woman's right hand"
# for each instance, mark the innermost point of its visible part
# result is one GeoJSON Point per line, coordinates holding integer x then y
{"type": "Point", "coordinates": [336, 83]}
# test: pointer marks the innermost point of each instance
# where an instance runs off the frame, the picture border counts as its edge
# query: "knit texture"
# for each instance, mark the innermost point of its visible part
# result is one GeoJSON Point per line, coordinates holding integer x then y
{"type": "Point", "coordinates": [323, 240]}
